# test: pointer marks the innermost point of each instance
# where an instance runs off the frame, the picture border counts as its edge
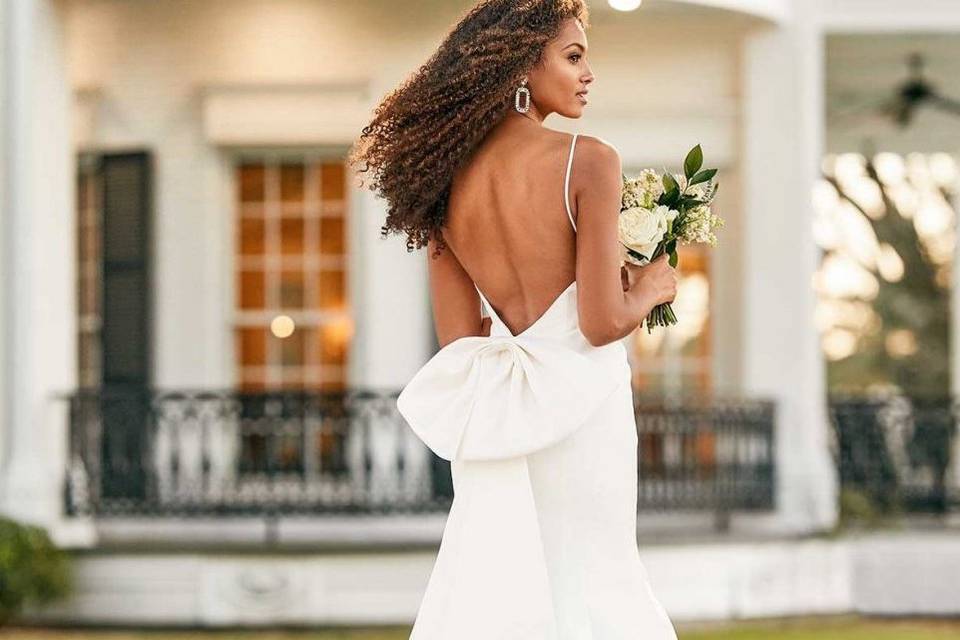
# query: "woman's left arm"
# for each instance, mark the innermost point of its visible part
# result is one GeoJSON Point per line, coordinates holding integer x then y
{"type": "Point", "coordinates": [454, 298]}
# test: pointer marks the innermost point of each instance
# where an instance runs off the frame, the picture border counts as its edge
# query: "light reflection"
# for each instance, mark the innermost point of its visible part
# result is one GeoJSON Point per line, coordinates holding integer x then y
{"type": "Point", "coordinates": [901, 343]}
{"type": "Point", "coordinates": [905, 199]}
{"type": "Point", "coordinates": [691, 306]}
{"type": "Point", "coordinates": [842, 277]}
{"type": "Point", "coordinates": [337, 334]}
{"type": "Point", "coordinates": [849, 167]}
{"type": "Point", "coordinates": [943, 167]}
{"type": "Point", "coordinates": [825, 197]}
{"type": "Point", "coordinates": [855, 315]}
{"type": "Point", "coordinates": [940, 248]}
{"type": "Point", "coordinates": [919, 172]}
{"type": "Point", "coordinates": [889, 263]}
{"type": "Point", "coordinates": [282, 326]}
{"type": "Point", "coordinates": [828, 165]}
{"type": "Point", "coordinates": [854, 260]}
{"type": "Point", "coordinates": [859, 238]}
{"type": "Point", "coordinates": [933, 217]}
{"type": "Point", "coordinates": [866, 193]}
{"type": "Point", "coordinates": [890, 168]}
{"type": "Point", "coordinates": [838, 344]}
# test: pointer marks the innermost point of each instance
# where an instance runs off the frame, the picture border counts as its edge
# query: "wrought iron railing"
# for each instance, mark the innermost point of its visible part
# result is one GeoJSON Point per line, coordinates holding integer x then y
{"type": "Point", "coordinates": [898, 453]}
{"type": "Point", "coordinates": [706, 454]}
{"type": "Point", "coordinates": [231, 453]}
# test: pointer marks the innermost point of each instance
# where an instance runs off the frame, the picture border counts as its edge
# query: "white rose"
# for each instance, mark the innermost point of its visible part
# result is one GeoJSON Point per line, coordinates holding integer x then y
{"type": "Point", "coordinates": [641, 229]}
{"type": "Point", "coordinates": [668, 213]}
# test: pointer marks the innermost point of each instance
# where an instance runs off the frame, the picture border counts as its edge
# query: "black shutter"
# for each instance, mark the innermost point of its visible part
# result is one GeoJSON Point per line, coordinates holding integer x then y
{"type": "Point", "coordinates": [126, 270]}
{"type": "Point", "coordinates": [126, 333]}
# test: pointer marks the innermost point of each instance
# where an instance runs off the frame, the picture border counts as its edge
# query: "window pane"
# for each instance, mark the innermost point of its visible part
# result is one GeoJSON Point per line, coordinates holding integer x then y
{"type": "Point", "coordinates": [292, 379]}
{"type": "Point", "coordinates": [89, 286]}
{"type": "Point", "coordinates": [333, 342]}
{"type": "Point", "coordinates": [291, 349]}
{"type": "Point", "coordinates": [251, 183]}
{"type": "Point", "coordinates": [332, 290]}
{"type": "Point", "coordinates": [332, 178]}
{"type": "Point", "coordinates": [291, 182]}
{"type": "Point", "coordinates": [291, 236]}
{"type": "Point", "coordinates": [291, 290]}
{"type": "Point", "coordinates": [251, 291]}
{"type": "Point", "coordinates": [333, 385]}
{"type": "Point", "coordinates": [251, 236]}
{"type": "Point", "coordinates": [252, 346]}
{"type": "Point", "coordinates": [251, 382]}
{"type": "Point", "coordinates": [89, 272]}
{"type": "Point", "coordinates": [331, 236]}
{"type": "Point", "coordinates": [89, 352]}
{"type": "Point", "coordinates": [89, 242]}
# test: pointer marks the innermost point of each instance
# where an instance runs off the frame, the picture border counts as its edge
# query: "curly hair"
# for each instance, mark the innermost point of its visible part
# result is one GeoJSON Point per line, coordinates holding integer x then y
{"type": "Point", "coordinates": [424, 131]}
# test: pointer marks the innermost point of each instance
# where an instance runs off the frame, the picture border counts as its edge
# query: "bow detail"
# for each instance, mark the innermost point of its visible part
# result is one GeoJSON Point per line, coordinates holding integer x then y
{"type": "Point", "coordinates": [495, 397]}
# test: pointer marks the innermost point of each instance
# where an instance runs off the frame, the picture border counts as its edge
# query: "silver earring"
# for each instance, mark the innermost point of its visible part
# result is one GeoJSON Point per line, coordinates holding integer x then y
{"type": "Point", "coordinates": [526, 93]}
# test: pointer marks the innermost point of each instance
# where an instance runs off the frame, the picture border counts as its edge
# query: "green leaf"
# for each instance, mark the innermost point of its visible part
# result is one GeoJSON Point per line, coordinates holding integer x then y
{"type": "Point", "coordinates": [693, 161]}
{"type": "Point", "coordinates": [674, 259]}
{"type": "Point", "coordinates": [703, 176]}
{"type": "Point", "coordinates": [669, 183]}
{"type": "Point", "coordinates": [671, 197]}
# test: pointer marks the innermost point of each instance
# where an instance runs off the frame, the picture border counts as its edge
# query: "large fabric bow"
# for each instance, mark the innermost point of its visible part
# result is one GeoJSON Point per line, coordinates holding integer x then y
{"type": "Point", "coordinates": [495, 397]}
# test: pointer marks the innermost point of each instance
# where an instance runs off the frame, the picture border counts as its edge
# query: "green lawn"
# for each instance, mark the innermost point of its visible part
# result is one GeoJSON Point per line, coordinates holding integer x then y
{"type": "Point", "coordinates": [823, 628]}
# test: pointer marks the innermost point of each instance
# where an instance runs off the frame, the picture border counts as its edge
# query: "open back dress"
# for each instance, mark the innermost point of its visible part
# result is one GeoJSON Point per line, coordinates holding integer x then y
{"type": "Point", "coordinates": [540, 541]}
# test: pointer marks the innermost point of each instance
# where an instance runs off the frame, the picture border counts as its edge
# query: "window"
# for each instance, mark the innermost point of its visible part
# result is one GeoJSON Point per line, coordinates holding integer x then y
{"type": "Point", "coordinates": [114, 290]}
{"type": "Point", "coordinates": [677, 360]}
{"type": "Point", "coordinates": [89, 272]}
{"type": "Point", "coordinates": [114, 205]}
{"type": "Point", "coordinates": [293, 325]}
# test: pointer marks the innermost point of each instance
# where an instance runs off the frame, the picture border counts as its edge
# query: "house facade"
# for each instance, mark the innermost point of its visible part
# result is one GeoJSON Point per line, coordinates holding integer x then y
{"type": "Point", "coordinates": [184, 248]}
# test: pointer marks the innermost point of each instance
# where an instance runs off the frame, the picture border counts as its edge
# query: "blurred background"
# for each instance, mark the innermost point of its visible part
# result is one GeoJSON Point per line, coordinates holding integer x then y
{"type": "Point", "coordinates": [203, 333]}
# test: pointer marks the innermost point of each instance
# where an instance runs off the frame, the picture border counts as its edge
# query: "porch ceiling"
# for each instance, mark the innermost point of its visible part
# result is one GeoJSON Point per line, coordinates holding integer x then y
{"type": "Point", "coordinates": [776, 11]}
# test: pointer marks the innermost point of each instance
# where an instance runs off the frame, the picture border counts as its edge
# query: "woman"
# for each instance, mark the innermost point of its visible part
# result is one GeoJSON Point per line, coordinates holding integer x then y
{"type": "Point", "coordinates": [531, 401]}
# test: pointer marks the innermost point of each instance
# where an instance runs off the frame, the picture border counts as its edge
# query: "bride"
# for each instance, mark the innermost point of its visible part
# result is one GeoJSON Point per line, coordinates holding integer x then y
{"type": "Point", "coordinates": [529, 396]}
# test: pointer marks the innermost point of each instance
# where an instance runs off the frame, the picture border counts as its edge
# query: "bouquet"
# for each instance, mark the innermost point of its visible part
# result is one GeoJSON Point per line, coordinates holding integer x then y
{"type": "Point", "coordinates": [658, 210]}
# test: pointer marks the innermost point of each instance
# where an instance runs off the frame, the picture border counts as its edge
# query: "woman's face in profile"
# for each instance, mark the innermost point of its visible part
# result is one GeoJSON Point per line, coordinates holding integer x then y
{"type": "Point", "coordinates": [559, 83]}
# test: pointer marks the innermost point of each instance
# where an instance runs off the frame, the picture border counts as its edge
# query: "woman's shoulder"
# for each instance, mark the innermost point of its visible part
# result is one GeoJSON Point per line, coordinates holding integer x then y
{"type": "Point", "coordinates": [596, 149]}
{"type": "Point", "coordinates": [595, 157]}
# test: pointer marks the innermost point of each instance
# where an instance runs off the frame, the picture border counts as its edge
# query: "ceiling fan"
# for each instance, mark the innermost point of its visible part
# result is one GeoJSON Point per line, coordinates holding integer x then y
{"type": "Point", "coordinates": [911, 95]}
{"type": "Point", "coordinates": [916, 92]}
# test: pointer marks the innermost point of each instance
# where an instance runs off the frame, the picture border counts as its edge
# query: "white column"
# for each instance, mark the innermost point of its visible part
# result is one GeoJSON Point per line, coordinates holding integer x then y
{"type": "Point", "coordinates": [39, 263]}
{"type": "Point", "coordinates": [783, 140]}
{"type": "Point", "coordinates": [392, 304]}
{"type": "Point", "coordinates": [4, 217]}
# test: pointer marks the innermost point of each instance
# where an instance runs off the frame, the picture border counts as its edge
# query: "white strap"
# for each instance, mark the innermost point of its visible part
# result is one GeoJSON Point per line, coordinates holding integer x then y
{"type": "Point", "coordinates": [566, 182]}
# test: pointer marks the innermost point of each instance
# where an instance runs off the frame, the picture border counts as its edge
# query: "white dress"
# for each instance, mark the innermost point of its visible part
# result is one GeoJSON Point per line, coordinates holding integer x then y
{"type": "Point", "coordinates": [540, 542]}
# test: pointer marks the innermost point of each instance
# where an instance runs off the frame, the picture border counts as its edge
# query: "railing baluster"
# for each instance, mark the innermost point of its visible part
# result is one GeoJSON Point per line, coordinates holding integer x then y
{"type": "Point", "coordinates": [229, 452]}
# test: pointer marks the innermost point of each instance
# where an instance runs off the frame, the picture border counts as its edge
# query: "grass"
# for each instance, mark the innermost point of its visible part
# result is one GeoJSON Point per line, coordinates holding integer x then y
{"type": "Point", "coordinates": [827, 628]}
{"type": "Point", "coordinates": [818, 628]}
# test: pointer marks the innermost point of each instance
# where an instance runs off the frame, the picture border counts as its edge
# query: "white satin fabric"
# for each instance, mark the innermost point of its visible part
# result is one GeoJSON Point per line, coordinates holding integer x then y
{"type": "Point", "coordinates": [540, 542]}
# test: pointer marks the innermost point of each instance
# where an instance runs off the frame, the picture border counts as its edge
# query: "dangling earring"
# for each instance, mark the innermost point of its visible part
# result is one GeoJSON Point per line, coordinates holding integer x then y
{"type": "Point", "coordinates": [526, 93]}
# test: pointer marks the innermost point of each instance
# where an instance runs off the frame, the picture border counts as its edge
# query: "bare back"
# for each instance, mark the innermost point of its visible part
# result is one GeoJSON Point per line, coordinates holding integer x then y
{"type": "Point", "coordinates": [508, 225]}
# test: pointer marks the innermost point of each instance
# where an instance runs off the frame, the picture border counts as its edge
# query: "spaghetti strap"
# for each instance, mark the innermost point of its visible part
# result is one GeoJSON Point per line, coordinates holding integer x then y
{"type": "Point", "coordinates": [566, 181]}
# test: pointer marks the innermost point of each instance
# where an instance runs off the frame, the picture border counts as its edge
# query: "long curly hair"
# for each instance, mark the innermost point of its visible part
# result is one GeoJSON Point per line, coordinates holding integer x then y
{"type": "Point", "coordinates": [423, 131]}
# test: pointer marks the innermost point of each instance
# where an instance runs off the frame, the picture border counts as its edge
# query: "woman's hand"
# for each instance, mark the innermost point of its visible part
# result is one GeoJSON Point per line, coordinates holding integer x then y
{"type": "Point", "coordinates": [657, 279]}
